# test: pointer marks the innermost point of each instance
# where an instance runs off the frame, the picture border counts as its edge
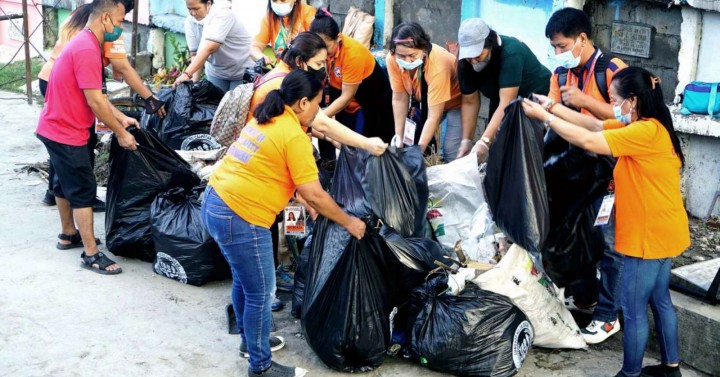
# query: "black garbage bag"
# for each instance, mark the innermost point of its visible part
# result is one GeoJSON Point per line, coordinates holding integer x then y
{"type": "Point", "coordinates": [575, 180]}
{"type": "Point", "coordinates": [300, 279]}
{"type": "Point", "coordinates": [185, 250]}
{"type": "Point", "coordinates": [396, 186]}
{"type": "Point", "coordinates": [413, 259]}
{"type": "Point", "coordinates": [189, 112]}
{"type": "Point", "coordinates": [346, 308]}
{"type": "Point", "coordinates": [477, 333]}
{"type": "Point", "coordinates": [135, 179]}
{"type": "Point", "coordinates": [346, 188]}
{"type": "Point", "coordinates": [515, 181]}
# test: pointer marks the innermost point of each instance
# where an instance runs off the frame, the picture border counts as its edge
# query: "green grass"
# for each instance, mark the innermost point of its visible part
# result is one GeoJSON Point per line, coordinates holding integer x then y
{"type": "Point", "coordinates": [16, 71]}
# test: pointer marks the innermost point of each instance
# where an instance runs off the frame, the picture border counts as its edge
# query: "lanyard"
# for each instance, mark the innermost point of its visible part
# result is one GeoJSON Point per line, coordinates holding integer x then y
{"type": "Point", "coordinates": [591, 71]}
{"type": "Point", "coordinates": [412, 91]}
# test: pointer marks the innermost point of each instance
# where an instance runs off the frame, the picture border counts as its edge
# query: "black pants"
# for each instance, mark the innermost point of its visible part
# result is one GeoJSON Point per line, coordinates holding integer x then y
{"type": "Point", "coordinates": [92, 141]}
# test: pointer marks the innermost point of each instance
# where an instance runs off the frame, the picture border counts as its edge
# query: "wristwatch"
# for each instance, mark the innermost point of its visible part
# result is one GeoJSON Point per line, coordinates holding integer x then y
{"type": "Point", "coordinates": [485, 140]}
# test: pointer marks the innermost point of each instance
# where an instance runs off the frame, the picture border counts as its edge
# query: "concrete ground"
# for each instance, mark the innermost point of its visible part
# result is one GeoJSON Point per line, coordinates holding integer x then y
{"type": "Point", "coordinates": [57, 319]}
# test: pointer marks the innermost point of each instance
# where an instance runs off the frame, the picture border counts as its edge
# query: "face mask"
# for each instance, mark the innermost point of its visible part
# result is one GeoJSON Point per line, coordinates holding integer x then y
{"type": "Point", "coordinates": [410, 66]}
{"type": "Point", "coordinates": [281, 10]}
{"type": "Point", "coordinates": [567, 60]}
{"type": "Point", "coordinates": [320, 74]}
{"type": "Point", "coordinates": [116, 33]}
{"type": "Point", "coordinates": [624, 118]}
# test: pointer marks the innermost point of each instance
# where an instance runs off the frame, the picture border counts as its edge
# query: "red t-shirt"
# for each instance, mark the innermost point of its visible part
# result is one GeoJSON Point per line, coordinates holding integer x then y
{"type": "Point", "coordinates": [67, 117]}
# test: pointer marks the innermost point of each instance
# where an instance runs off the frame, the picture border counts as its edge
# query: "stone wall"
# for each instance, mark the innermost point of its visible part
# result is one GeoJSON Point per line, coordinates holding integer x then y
{"type": "Point", "coordinates": [665, 47]}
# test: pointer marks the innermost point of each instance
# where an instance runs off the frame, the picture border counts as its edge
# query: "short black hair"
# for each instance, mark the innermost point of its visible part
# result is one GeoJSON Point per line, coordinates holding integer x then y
{"type": "Point", "coordinates": [569, 22]}
{"type": "Point", "coordinates": [102, 6]}
{"type": "Point", "coordinates": [409, 34]}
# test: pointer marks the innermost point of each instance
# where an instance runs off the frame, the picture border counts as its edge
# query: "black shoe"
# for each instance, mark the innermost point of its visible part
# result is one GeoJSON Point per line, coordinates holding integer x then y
{"type": "Point", "coordinates": [98, 205]}
{"type": "Point", "coordinates": [49, 198]}
{"type": "Point", "coordinates": [276, 343]}
{"type": "Point", "coordinates": [661, 371]}
{"type": "Point", "coordinates": [279, 370]}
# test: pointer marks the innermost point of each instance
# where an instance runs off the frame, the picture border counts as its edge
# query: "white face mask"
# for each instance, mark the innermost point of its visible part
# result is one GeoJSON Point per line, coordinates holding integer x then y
{"type": "Point", "coordinates": [410, 66]}
{"type": "Point", "coordinates": [566, 60]}
{"type": "Point", "coordinates": [624, 118]}
{"type": "Point", "coordinates": [282, 9]}
{"type": "Point", "coordinates": [479, 66]}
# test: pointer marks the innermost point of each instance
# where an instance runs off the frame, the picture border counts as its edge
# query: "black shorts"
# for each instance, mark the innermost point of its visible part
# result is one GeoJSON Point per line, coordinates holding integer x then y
{"type": "Point", "coordinates": [74, 177]}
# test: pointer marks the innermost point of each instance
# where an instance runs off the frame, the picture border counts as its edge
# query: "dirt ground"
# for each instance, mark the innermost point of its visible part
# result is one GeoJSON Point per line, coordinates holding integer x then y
{"type": "Point", "coordinates": [57, 319]}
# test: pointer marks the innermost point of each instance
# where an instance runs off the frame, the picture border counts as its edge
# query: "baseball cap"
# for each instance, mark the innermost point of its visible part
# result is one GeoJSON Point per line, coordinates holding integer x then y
{"type": "Point", "coordinates": [471, 36]}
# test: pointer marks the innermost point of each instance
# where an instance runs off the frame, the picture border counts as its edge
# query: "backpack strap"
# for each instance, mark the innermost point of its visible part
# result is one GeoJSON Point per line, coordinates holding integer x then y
{"type": "Point", "coordinates": [712, 99]}
{"type": "Point", "coordinates": [601, 67]}
{"type": "Point", "coordinates": [268, 77]}
{"type": "Point", "coordinates": [562, 77]}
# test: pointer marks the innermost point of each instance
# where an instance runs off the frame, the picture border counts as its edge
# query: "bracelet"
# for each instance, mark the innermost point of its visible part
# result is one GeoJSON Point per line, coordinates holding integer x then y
{"type": "Point", "coordinates": [188, 75]}
{"type": "Point", "coordinates": [549, 105]}
{"type": "Point", "coordinates": [465, 141]}
{"type": "Point", "coordinates": [549, 120]}
{"type": "Point", "coordinates": [550, 108]}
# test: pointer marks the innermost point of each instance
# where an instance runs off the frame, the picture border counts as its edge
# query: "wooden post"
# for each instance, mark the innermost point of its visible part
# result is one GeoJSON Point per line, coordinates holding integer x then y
{"type": "Point", "coordinates": [28, 70]}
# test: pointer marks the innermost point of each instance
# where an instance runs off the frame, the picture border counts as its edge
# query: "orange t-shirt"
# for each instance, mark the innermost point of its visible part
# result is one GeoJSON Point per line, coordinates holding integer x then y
{"type": "Point", "coordinates": [268, 86]}
{"type": "Point", "coordinates": [269, 31]}
{"type": "Point", "coordinates": [590, 86]}
{"type": "Point", "coordinates": [263, 168]}
{"type": "Point", "coordinates": [111, 50]}
{"type": "Point", "coordinates": [352, 64]}
{"type": "Point", "coordinates": [651, 222]}
{"type": "Point", "coordinates": [440, 72]}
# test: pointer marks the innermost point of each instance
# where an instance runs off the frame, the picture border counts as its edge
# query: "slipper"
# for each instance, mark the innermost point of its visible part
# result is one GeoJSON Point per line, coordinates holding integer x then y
{"type": "Point", "coordinates": [101, 260]}
{"type": "Point", "coordinates": [75, 241]}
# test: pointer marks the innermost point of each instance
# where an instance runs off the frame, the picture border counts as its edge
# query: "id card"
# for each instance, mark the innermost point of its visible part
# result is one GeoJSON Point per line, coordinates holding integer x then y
{"type": "Point", "coordinates": [606, 208]}
{"type": "Point", "coordinates": [101, 128]}
{"type": "Point", "coordinates": [409, 134]}
{"type": "Point", "coordinates": [294, 219]}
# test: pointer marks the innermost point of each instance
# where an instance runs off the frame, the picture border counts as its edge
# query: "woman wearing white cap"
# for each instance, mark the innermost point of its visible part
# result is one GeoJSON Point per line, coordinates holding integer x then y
{"type": "Point", "coordinates": [499, 67]}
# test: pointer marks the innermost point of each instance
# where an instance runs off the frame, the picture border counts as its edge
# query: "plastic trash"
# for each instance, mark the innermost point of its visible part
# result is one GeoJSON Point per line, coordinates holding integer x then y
{"type": "Point", "coordinates": [185, 250]}
{"type": "Point", "coordinates": [135, 179]}
{"type": "Point", "coordinates": [477, 333]}
{"type": "Point", "coordinates": [515, 181]}
{"type": "Point", "coordinates": [516, 277]}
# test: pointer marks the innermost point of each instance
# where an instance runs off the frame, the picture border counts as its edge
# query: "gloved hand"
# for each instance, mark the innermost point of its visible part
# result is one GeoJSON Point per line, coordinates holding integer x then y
{"type": "Point", "coordinates": [465, 147]}
{"type": "Point", "coordinates": [154, 105]}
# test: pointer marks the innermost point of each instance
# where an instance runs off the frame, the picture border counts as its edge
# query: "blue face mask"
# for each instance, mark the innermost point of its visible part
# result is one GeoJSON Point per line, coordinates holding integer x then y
{"type": "Point", "coordinates": [115, 35]}
{"type": "Point", "coordinates": [624, 118]}
{"type": "Point", "coordinates": [566, 60]}
{"type": "Point", "coordinates": [410, 66]}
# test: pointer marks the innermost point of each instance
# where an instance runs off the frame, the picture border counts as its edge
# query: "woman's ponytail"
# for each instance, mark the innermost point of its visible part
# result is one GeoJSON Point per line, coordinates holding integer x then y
{"type": "Point", "coordinates": [272, 106]}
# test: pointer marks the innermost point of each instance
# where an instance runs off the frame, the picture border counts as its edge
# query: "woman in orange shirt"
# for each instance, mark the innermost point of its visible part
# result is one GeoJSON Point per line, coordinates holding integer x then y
{"type": "Point", "coordinates": [285, 19]}
{"type": "Point", "coordinates": [651, 223]}
{"type": "Point", "coordinates": [359, 92]}
{"type": "Point", "coordinates": [423, 78]}
{"type": "Point", "coordinates": [271, 160]}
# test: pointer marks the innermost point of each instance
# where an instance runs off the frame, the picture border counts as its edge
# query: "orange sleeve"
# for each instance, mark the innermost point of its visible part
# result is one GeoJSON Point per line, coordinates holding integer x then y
{"type": "Point", "coordinates": [263, 36]}
{"type": "Point", "coordinates": [394, 73]}
{"type": "Point", "coordinates": [612, 124]}
{"type": "Point", "coordinates": [616, 65]}
{"type": "Point", "coordinates": [439, 80]}
{"type": "Point", "coordinates": [356, 64]}
{"type": "Point", "coordinates": [636, 139]}
{"type": "Point", "coordinates": [554, 88]}
{"type": "Point", "coordinates": [115, 50]}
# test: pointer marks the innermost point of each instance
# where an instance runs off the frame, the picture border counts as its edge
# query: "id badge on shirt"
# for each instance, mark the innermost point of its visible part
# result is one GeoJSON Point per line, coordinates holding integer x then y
{"type": "Point", "coordinates": [606, 208]}
{"type": "Point", "coordinates": [294, 219]}
{"type": "Point", "coordinates": [409, 134]}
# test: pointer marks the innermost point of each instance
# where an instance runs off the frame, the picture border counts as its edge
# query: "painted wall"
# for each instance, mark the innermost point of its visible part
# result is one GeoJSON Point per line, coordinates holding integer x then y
{"type": "Point", "coordinates": [440, 19]}
{"type": "Point", "coordinates": [13, 38]}
{"type": "Point", "coordinates": [522, 19]}
{"type": "Point", "coordinates": [708, 69]}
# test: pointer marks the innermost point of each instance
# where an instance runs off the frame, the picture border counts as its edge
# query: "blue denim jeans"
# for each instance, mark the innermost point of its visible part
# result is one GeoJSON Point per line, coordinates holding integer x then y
{"type": "Point", "coordinates": [647, 281]}
{"type": "Point", "coordinates": [224, 85]}
{"type": "Point", "coordinates": [611, 270]}
{"type": "Point", "coordinates": [248, 250]}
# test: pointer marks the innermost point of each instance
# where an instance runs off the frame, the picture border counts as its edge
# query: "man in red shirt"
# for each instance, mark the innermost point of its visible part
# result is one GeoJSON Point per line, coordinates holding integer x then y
{"type": "Point", "coordinates": [75, 97]}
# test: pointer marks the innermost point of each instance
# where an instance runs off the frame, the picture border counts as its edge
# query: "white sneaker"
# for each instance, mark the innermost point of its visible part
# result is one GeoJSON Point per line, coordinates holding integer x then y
{"type": "Point", "coordinates": [599, 331]}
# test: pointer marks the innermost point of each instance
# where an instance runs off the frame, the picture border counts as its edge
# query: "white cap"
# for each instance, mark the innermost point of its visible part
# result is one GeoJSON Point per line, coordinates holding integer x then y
{"type": "Point", "coordinates": [471, 36]}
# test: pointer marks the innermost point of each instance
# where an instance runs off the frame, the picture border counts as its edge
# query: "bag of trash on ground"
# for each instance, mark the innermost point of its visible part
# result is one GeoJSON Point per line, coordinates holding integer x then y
{"type": "Point", "coordinates": [345, 311]}
{"type": "Point", "coordinates": [135, 179]}
{"type": "Point", "coordinates": [575, 180]}
{"type": "Point", "coordinates": [396, 186]}
{"type": "Point", "coordinates": [190, 113]}
{"type": "Point", "coordinates": [476, 333]}
{"type": "Point", "coordinates": [517, 278]}
{"type": "Point", "coordinates": [515, 181]}
{"type": "Point", "coordinates": [457, 209]}
{"type": "Point", "coordinates": [185, 250]}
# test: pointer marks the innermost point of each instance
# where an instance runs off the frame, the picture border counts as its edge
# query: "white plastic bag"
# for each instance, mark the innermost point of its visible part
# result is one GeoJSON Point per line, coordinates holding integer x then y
{"type": "Point", "coordinates": [457, 210]}
{"type": "Point", "coordinates": [516, 277]}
